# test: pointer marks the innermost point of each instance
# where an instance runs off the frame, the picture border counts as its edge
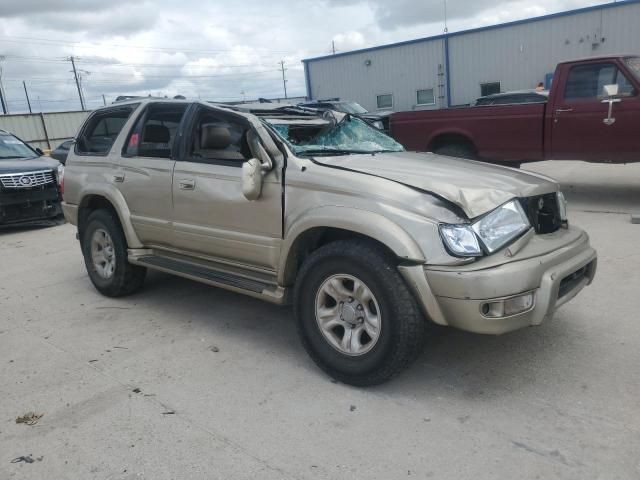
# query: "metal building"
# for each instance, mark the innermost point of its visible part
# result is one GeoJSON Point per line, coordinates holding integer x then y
{"type": "Point", "coordinates": [456, 68]}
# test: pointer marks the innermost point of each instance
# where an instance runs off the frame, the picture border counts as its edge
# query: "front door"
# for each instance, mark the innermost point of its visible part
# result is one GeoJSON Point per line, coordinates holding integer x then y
{"type": "Point", "coordinates": [145, 172]}
{"type": "Point", "coordinates": [211, 215]}
{"type": "Point", "coordinates": [581, 127]}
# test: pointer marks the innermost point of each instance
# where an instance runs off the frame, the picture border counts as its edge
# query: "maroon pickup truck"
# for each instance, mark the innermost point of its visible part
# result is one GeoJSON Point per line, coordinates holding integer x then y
{"type": "Point", "coordinates": [593, 114]}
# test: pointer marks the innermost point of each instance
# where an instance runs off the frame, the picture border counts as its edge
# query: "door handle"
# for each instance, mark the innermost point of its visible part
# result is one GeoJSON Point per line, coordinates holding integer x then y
{"type": "Point", "coordinates": [564, 110]}
{"type": "Point", "coordinates": [187, 184]}
{"type": "Point", "coordinates": [118, 177]}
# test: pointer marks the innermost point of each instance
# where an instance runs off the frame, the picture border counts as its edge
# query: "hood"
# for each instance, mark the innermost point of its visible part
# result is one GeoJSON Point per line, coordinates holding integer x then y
{"type": "Point", "coordinates": [19, 165]}
{"type": "Point", "coordinates": [475, 187]}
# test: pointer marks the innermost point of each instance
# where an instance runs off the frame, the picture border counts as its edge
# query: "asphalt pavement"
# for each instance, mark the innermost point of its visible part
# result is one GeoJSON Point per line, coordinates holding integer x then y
{"type": "Point", "coordinates": [186, 381]}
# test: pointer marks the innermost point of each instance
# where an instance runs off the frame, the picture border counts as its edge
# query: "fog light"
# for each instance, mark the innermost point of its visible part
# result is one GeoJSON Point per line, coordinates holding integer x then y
{"type": "Point", "coordinates": [508, 307]}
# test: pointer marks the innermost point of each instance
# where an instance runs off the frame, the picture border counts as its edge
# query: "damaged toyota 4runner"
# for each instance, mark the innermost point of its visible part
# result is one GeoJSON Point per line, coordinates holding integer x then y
{"type": "Point", "coordinates": [322, 211]}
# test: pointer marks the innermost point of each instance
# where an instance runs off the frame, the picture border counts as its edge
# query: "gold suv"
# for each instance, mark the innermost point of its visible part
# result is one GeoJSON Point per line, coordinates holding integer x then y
{"type": "Point", "coordinates": [323, 211]}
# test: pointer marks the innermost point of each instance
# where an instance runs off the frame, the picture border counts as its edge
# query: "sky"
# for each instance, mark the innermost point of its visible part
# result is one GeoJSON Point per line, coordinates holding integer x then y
{"type": "Point", "coordinates": [212, 50]}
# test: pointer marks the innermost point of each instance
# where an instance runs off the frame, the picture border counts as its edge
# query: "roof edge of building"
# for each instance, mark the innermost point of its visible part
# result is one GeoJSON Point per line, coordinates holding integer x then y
{"type": "Point", "coordinates": [602, 6]}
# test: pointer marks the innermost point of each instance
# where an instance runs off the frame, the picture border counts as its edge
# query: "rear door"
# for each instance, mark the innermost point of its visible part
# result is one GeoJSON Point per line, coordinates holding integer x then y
{"type": "Point", "coordinates": [145, 171]}
{"type": "Point", "coordinates": [211, 215]}
{"type": "Point", "coordinates": [580, 129]}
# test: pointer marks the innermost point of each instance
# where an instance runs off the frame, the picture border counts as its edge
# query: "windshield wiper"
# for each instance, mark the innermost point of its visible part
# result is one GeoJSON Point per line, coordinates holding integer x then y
{"type": "Point", "coordinates": [10, 157]}
{"type": "Point", "coordinates": [333, 151]}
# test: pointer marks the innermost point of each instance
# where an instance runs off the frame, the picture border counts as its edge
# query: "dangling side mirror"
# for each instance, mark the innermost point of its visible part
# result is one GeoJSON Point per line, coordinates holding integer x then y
{"type": "Point", "coordinates": [252, 179]}
{"type": "Point", "coordinates": [39, 151]}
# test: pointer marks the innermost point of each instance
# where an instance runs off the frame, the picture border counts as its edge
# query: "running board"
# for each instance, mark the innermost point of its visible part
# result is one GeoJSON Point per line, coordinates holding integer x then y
{"type": "Point", "coordinates": [211, 276]}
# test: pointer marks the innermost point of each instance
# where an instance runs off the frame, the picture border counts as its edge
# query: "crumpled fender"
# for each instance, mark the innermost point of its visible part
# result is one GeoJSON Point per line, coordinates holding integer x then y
{"type": "Point", "coordinates": [356, 220]}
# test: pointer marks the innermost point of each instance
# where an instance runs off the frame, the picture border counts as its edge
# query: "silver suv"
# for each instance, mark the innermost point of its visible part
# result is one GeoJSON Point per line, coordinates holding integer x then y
{"type": "Point", "coordinates": [322, 211]}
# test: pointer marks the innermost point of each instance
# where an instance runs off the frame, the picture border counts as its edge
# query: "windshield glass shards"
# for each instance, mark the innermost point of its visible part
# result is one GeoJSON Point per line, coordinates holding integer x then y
{"type": "Point", "coordinates": [316, 136]}
{"type": "Point", "coordinates": [12, 148]}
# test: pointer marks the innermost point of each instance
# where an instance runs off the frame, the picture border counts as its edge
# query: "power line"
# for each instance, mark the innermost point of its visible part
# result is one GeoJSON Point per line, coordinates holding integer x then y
{"type": "Point", "coordinates": [22, 39]}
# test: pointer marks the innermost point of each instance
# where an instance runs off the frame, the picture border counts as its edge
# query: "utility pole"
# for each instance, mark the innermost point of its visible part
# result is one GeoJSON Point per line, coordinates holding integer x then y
{"type": "Point", "coordinates": [24, 84]}
{"type": "Point", "coordinates": [284, 79]}
{"type": "Point", "coordinates": [104, 100]}
{"type": "Point", "coordinates": [75, 74]}
{"type": "Point", "coordinates": [333, 46]}
{"type": "Point", "coordinates": [3, 96]}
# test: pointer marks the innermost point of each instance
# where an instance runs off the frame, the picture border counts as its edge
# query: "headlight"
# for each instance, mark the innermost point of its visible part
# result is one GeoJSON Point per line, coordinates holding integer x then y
{"type": "Point", "coordinates": [494, 230]}
{"type": "Point", "coordinates": [378, 124]}
{"type": "Point", "coordinates": [60, 173]}
{"type": "Point", "coordinates": [562, 207]}
{"type": "Point", "coordinates": [502, 225]}
{"type": "Point", "coordinates": [461, 240]}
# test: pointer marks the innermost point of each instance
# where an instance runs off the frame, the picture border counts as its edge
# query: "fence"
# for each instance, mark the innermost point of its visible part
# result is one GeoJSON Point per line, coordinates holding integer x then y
{"type": "Point", "coordinates": [44, 130]}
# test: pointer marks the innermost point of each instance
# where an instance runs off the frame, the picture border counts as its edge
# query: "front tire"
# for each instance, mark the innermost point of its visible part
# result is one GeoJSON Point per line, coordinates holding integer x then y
{"type": "Point", "coordinates": [105, 256]}
{"type": "Point", "coordinates": [356, 317]}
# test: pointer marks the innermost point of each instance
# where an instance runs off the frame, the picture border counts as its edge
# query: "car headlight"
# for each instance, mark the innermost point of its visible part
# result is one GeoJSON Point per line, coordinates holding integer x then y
{"type": "Point", "coordinates": [562, 207]}
{"type": "Point", "coordinates": [461, 240]}
{"type": "Point", "coordinates": [494, 230]}
{"type": "Point", "coordinates": [378, 124]}
{"type": "Point", "coordinates": [60, 173]}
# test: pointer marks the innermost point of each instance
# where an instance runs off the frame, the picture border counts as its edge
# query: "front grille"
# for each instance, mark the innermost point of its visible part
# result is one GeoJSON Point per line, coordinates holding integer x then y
{"type": "Point", "coordinates": [543, 212]}
{"type": "Point", "coordinates": [27, 179]}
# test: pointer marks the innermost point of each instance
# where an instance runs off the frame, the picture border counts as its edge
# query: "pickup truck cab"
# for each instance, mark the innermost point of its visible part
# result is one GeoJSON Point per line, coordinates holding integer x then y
{"type": "Point", "coordinates": [325, 212]}
{"type": "Point", "coordinates": [592, 114]}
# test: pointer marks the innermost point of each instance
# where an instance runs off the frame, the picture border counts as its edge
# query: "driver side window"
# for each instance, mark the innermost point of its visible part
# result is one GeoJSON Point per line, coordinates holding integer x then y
{"type": "Point", "coordinates": [218, 139]}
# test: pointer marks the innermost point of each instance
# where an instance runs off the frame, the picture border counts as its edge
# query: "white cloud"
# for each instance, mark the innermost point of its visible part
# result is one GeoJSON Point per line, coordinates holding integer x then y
{"type": "Point", "coordinates": [213, 49]}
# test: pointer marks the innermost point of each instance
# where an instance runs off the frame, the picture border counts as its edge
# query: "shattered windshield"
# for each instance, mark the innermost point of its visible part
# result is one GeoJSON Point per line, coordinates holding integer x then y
{"type": "Point", "coordinates": [12, 148]}
{"type": "Point", "coordinates": [317, 136]}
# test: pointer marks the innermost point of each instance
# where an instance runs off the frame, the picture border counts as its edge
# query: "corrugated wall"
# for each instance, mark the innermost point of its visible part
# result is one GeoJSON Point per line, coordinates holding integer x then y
{"type": "Point", "coordinates": [46, 130]}
{"type": "Point", "coordinates": [518, 56]}
{"type": "Point", "coordinates": [361, 77]}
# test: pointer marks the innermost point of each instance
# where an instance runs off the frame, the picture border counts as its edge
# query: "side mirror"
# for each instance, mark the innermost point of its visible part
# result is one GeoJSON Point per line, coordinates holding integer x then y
{"type": "Point", "coordinates": [39, 151]}
{"type": "Point", "coordinates": [252, 179]}
{"type": "Point", "coordinates": [609, 91]}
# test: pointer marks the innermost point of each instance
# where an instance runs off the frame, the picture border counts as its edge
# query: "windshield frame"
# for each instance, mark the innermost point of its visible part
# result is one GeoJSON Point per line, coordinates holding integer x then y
{"type": "Point", "coordinates": [17, 141]}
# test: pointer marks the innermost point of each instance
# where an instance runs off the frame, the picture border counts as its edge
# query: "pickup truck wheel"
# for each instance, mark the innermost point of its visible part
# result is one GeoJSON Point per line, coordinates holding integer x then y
{"type": "Point", "coordinates": [105, 255]}
{"type": "Point", "coordinates": [459, 150]}
{"type": "Point", "coordinates": [356, 317]}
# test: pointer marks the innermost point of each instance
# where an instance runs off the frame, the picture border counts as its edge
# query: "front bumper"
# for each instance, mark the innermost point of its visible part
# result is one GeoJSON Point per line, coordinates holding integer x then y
{"type": "Point", "coordinates": [29, 205]}
{"type": "Point", "coordinates": [455, 297]}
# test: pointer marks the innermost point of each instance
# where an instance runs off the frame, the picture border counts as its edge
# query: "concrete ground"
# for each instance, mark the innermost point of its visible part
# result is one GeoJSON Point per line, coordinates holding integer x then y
{"type": "Point", "coordinates": [186, 381]}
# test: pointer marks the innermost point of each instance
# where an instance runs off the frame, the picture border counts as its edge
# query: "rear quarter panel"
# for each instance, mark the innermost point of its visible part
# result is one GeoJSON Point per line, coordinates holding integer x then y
{"type": "Point", "coordinates": [506, 133]}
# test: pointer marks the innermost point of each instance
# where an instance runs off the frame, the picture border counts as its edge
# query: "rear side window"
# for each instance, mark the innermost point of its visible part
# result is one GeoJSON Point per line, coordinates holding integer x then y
{"type": "Point", "coordinates": [155, 132]}
{"type": "Point", "coordinates": [102, 129]}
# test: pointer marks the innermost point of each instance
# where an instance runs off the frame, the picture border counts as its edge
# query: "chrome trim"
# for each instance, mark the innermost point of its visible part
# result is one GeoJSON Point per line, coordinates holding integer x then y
{"type": "Point", "coordinates": [27, 179]}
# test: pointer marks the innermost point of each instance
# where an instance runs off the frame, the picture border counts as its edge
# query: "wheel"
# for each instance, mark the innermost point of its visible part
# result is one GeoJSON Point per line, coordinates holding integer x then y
{"type": "Point", "coordinates": [355, 315]}
{"type": "Point", "coordinates": [105, 255]}
{"type": "Point", "coordinates": [459, 150]}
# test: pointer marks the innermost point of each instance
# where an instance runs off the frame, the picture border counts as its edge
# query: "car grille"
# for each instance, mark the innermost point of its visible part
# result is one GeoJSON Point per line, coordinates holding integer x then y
{"type": "Point", "coordinates": [27, 180]}
{"type": "Point", "coordinates": [543, 212]}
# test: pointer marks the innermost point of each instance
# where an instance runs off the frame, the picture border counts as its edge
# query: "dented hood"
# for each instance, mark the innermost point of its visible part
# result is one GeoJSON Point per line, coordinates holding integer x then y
{"type": "Point", "coordinates": [475, 187]}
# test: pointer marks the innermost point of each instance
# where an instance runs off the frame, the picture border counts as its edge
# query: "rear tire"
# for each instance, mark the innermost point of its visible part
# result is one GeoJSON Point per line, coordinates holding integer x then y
{"type": "Point", "coordinates": [458, 150]}
{"type": "Point", "coordinates": [365, 279]}
{"type": "Point", "coordinates": [105, 256]}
